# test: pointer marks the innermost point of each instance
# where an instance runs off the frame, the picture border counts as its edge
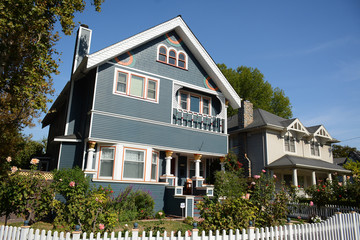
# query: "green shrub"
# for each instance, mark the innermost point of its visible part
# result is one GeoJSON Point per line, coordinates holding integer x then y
{"type": "Point", "coordinates": [144, 203]}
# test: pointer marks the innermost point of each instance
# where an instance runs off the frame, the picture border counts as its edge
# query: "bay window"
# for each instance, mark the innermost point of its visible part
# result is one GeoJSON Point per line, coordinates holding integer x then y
{"type": "Point", "coordinates": [134, 164]}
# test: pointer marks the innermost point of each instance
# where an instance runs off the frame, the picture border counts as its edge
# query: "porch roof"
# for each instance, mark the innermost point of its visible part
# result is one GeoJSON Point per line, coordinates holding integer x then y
{"type": "Point", "coordinates": [288, 161]}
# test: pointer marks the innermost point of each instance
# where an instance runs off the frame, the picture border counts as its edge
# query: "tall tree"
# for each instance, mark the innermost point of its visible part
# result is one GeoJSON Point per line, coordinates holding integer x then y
{"type": "Point", "coordinates": [342, 151]}
{"type": "Point", "coordinates": [249, 83]}
{"type": "Point", "coordinates": [28, 59]}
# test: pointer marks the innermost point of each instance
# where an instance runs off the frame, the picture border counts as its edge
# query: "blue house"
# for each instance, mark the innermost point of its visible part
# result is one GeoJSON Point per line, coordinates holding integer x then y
{"type": "Point", "coordinates": [149, 111]}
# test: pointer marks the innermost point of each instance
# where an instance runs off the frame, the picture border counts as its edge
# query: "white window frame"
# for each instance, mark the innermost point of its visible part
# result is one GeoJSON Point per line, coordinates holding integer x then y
{"type": "Point", "coordinates": [156, 166]}
{"type": "Point", "coordinates": [99, 164]}
{"type": "Point", "coordinates": [290, 140]}
{"type": "Point", "coordinates": [144, 163]}
{"type": "Point", "coordinates": [145, 86]}
{"type": "Point", "coordinates": [188, 104]}
{"type": "Point", "coordinates": [177, 54]}
{"type": "Point", "coordinates": [315, 144]}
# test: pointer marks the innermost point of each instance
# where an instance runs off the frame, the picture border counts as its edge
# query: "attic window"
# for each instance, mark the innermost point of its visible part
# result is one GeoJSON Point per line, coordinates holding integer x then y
{"type": "Point", "coordinates": [172, 57]}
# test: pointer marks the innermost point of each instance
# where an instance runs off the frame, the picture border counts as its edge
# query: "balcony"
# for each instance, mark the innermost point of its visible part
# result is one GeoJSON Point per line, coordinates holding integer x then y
{"type": "Point", "coordinates": [198, 121]}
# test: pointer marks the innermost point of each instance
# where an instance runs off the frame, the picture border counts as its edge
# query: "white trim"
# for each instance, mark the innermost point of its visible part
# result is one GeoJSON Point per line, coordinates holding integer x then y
{"type": "Point", "coordinates": [154, 122]}
{"type": "Point", "coordinates": [83, 157]}
{"type": "Point", "coordinates": [69, 106]}
{"type": "Point", "coordinates": [189, 39]}
{"type": "Point", "coordinates": [145, 151]}
{"type": "Point", "coordinates": [59, 156]}
{"type": "Point", "coordinates": [66, 140]}
{"type": "Point", "coordinates": [93, 103]}
{"type": "Point", "coordinates": [160, 148]}
{"type": "Point", "coordinates": [158, 51]}
{"type": "Point", "coordinates": [145, 85]}
{"type": "Point", "coordinates": [186, 59]}
{"type": "Point", "coordinates": [181, 83]}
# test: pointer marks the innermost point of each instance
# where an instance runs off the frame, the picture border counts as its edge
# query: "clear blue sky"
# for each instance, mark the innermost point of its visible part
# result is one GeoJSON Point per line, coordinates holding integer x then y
{"type": "Point", "coordinates": [310, 49]}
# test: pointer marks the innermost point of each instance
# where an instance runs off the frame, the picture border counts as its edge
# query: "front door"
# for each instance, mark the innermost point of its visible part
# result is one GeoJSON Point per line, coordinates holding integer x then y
{"type": "Point", "coordinates": [182, 167]}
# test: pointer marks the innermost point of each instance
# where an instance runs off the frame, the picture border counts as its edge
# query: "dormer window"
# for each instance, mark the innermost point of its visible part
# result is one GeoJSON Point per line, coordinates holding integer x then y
{"type": "Point", "coordinates": [289, 143]}
{"type": "Point", "coordinates": [315, 148]}
{"type": "Point", "coordinates": [172, 57]}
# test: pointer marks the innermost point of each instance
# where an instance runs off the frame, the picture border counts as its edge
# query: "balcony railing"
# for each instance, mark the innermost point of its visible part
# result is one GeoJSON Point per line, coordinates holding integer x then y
{"type": "Point", "coordinates": [198, 121]}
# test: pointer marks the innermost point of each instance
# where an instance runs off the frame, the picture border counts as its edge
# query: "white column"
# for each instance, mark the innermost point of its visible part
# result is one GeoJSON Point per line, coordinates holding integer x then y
{"type": "Point", "coordinates": [313, 177]}
{"type": "Point", "coordinates": [197, 164]}
{"type": "Point", "coordinates": [90, 155]}
{"type": "Point", "coordinates": [222, 163]}
{"type": "Point", "coordinates": [329, 177]}
{"type": "Point", "coordinates": [344, 179]}
{"type": "Point", "coordinates": [295, 180]}
{"type": "Point", "coordinates": [225, 120]}
{"type": "Point", "coordinates": [168, 163]}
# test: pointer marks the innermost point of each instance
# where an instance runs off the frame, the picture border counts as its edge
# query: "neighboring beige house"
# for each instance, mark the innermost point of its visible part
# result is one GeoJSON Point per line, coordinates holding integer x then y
{"type": "Point", "coordinates": [294, 153]}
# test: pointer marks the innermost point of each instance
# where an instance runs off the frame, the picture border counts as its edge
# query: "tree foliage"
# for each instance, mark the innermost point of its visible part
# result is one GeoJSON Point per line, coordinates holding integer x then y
{"type": "Point", "coordinates": [342, 151]}
{"type": "Point", "coordinates": [250, 85]}
{"type": "Point", "coordinates": [28, 60]}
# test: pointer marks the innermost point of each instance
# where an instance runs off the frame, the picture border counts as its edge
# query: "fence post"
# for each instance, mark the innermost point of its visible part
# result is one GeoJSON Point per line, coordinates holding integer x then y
{"type": "Point", "coordinates": [135, 232]}
{"type": "Point", "coordinates": [195, 232]}
{"type": "Point", "coordinates": [24, 230]}
{"type": "Point", "coordinates": [76, 234]}
{"type": "Point", "coordinates": [290, 229]}
{"type": "Point", "coordinates": [339, 217]}
{"type": "Point", "coordinates": [251, 231]}
{"type": "Point", "coordinates": [356, 229]}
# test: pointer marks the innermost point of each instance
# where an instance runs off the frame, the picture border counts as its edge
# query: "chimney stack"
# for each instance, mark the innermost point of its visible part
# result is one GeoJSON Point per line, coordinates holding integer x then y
{"type": "Point", "coordinates": [82, 45]}
{"type": "Point", "coordinates": [246, 114]}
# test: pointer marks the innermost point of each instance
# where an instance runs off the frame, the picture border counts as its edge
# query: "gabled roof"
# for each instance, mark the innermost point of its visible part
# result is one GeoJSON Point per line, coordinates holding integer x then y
{"type": "Point", "coordinates": [179, 26]}
{"type": "Point", "coordinates": [288, 161]}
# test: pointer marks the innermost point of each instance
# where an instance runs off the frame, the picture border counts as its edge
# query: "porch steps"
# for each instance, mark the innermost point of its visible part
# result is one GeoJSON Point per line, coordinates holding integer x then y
{"type": "Point", "coordinates": [197, 199]}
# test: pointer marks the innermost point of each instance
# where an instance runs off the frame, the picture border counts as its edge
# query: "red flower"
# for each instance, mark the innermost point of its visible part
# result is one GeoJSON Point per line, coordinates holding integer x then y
{"type": "Point", "coordinates": [340, 196]}
{"type": "Point", "coordinates": [142, 211]}
{"type": "Point", "coordinates": [324, 186]}
{"type": "Point", "coordinates": [318, 190]}
{"type": "Point", "coordinates": [111, 191]}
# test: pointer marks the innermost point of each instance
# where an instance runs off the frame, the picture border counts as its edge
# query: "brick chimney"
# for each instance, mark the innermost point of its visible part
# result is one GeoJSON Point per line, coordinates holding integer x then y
{"type": "Point", "coordinates": [246, 114]}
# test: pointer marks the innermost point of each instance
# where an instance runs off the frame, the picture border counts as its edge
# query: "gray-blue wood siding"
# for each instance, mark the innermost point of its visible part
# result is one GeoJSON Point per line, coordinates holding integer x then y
{"type": "Point", "coordinates": [156, 191]}
{"type": "Point", "coordinates": [190, 207]}
{"type": "Point", "coordinates": [146, 56]}
{"type": "Point", "coordinates": [70, 155]}
{"type": "Point", "coordinates": [119, 129]}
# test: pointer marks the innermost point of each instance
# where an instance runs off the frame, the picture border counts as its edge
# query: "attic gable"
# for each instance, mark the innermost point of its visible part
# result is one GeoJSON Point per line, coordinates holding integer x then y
{"type": "Point", "coordinates": [182, 30]}
{"type": "Point", "coordinates": [297, 127]}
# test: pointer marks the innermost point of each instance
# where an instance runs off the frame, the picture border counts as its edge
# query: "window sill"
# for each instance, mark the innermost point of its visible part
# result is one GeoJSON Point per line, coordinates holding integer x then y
{"type": "Point", "coordinates": [172, 65]}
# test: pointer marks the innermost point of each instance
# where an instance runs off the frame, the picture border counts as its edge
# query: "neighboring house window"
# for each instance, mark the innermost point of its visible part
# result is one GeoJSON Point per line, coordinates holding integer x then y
{"type": "Point", "coordinates": [315, 148]}
{"type": "Point", "coordinates": [107, 156]}
{"type": "Point", "coordinates": [162, 54]}
{"type": "Point", "coordinates": [154, 161]}
{"type": "Point", "coordinates": [136, 85]}
{"type": "Point", "coordinates": [194, 103]}
{"type": "Point", "coordinates": [172, 57]}
{"type": "Point", "coordinates": [289, 144]}
{"type": "Point", "coordinates": [134, 164]}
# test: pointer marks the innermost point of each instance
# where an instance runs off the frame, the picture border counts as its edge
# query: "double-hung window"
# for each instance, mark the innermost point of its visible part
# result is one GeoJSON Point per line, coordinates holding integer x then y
{"type": "Point", "coordinates": [194, 103]}
{"type": "Point", "coordinates": [134, 161]}
{"type": "Point", "coordinates": [154, 161]}
{"type": "Point", "coordinates": [289, 144]}
{"type": "Point", "coordinates": [315, 149]}
{"type": "Point", "coordinates": [136, 85]}
{"type": "Point", "coordinates": [107, 157]}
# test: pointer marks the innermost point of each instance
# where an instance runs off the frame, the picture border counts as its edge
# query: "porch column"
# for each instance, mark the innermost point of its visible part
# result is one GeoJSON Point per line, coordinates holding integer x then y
{"type": "Point", "coordinates": [329, 177]}
{"type": "Point", "coordinates": [197, 164]}
{"type": "Point", "coordinates": [168, 163]}
{"type": "Point", "coordinates": [295, 179]}
{"type": "Point", "coordinates": [344, 179]}
{"type": "Point", "coordinates": [222, 163]}
{"type": "Point", "coordinates": [313, 178]}
{"type": "Point", "coordinates": [90, 155]}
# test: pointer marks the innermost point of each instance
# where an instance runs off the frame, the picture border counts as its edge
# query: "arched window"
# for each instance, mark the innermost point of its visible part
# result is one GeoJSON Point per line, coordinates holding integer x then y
{"type": "Point", "coordinates": [182, 60]}
{"type": "Point", "coordinates": [172, 57]}
{"type": "Point", "coordinates": [162, 54]}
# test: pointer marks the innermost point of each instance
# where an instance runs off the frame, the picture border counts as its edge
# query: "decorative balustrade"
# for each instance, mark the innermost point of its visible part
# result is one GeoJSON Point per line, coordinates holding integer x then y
{"type": "Point", "coordinates": [198, 121]}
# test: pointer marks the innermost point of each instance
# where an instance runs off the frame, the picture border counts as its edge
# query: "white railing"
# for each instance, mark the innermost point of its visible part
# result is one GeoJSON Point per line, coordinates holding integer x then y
{"type": "Point", "coordinates": [305, 211]}
{"type": "Point", "coordinates": [338, 227]}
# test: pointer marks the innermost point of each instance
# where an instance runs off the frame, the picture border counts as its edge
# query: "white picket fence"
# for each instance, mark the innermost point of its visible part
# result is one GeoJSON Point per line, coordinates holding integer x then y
{"type": "Point", "coordinates": [338, 227]}
{"type": "Point", "coordinates": [305, 211]}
